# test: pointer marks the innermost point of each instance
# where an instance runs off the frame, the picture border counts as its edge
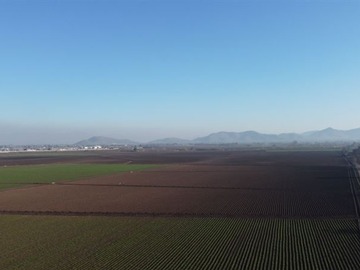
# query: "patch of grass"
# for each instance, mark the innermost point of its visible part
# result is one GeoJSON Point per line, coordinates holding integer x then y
{"type": "Point", "coordinates": [15, 176]}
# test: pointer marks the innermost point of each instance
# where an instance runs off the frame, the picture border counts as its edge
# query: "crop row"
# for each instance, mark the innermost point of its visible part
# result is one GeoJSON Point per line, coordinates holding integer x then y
{"type": "Point", "coordinates": [177, 243]}
{"type": "Point", "coordinates": [107, 199]}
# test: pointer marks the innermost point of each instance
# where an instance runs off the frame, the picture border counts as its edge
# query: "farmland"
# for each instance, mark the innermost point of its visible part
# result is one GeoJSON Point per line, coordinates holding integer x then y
{"type": "Point", "coordinates": [177, 243]}
{"type": "Point", "coordinates": [17, 176]}
{"type": "Point", "coordinates": [193, 210]}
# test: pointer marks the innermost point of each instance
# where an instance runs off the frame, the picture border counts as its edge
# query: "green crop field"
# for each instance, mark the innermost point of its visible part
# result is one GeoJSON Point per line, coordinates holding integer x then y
{"type": "Point", "coordinates": [15, 176]}
{"type": "Point", "coordinates": [60, 242]}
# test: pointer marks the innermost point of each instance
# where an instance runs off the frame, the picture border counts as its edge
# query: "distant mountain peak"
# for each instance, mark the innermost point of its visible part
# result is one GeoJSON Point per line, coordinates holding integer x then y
{"type": "Point", "coordinates": [329, 129]}
{"type": "Point", "coordinates": [102, 140]}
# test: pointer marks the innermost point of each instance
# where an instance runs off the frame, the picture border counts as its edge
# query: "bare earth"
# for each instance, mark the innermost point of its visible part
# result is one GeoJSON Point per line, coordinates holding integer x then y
{"type": "Point", "coordinates": [242, 184]}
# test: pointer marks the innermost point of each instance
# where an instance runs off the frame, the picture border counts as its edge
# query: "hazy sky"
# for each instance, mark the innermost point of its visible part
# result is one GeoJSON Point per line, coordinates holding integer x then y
{"type": "Point", "coordinates": [150, 69]}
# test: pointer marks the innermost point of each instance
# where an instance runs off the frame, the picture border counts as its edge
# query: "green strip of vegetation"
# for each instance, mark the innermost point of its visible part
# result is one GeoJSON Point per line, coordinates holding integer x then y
{"type": "Point", "coordinates": [16, 176]}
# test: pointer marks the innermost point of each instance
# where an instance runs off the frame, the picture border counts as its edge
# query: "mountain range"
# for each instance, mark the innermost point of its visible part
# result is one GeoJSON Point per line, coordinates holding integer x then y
{"type": "Point", "coordinates": [246, 137]}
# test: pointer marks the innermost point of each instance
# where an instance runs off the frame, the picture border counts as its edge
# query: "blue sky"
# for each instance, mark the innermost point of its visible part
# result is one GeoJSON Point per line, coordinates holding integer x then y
{"type": "Point", "coordinates": [150, 69]}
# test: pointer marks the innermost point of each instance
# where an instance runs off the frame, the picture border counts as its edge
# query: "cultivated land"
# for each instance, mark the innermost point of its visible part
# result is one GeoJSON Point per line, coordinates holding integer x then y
{"type": "Point", "coordinates": [18, 176]}
{"type": "Point", "coordinates": [193, 210]}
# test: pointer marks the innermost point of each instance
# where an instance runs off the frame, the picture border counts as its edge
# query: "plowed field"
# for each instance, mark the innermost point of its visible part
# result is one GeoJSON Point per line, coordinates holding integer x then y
{"type": "Point", "coordinates": [195, 210]}
{"type": "Point", "coordinates": [226, 184]}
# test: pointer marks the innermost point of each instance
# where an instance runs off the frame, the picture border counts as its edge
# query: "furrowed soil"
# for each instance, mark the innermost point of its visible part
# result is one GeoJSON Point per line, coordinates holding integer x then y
{"type": "Point", "coordinates": [193, 210]}
{"type": "Point", "coordinates": [239, 184]}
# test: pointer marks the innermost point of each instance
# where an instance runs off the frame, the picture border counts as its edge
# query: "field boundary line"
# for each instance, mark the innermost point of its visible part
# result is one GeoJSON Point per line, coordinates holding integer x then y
{"type": "Point", "coordinates": [169, 186]}
{"type": "Point", "coordinates": [169, 215]}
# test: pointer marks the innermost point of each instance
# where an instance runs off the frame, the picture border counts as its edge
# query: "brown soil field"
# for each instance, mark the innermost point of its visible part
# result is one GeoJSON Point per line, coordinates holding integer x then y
{"type": "Point", "coordinates": [148, 157]}
{"type": "Point", "coordinates": [218, 183]}
{"type": "Point", "coordinates": [236, 157]}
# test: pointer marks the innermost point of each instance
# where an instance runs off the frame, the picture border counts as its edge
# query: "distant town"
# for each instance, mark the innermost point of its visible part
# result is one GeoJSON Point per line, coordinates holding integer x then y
{"type": "Point", "coordinates": [63, 148]}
